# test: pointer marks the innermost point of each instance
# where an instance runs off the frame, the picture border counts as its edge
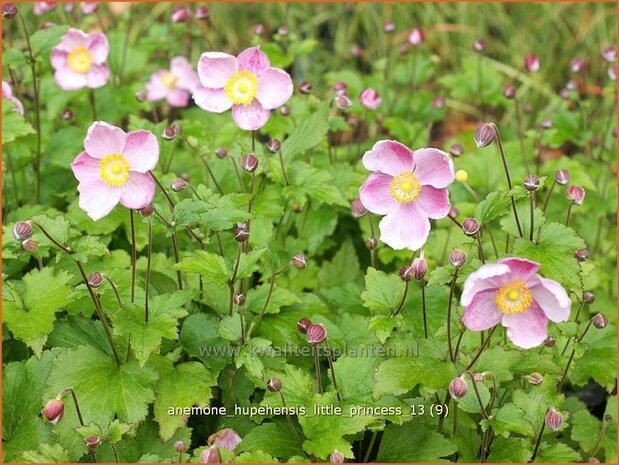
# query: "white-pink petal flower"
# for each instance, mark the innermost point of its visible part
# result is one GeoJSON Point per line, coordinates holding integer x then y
{"type": "Point", "coordinates": [175, 85]}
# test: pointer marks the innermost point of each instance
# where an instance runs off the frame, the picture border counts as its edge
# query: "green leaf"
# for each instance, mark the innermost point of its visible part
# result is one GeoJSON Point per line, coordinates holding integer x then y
{"type": "Point", "coordinates": [14, 125]}
{"type": "Point", "coordinates": [510, 450]}
{"type": "Point", "coordinates": [58, 228]}
{"type": "Point", "coordinates": [420, 445]}
{"type": "Point", "coordinates": [557, 453]}
{"type": "Point", "coordinates": [383, 292]}
{"type": "Point", "coordinates": [587, 428]}
{"type": "Point", "coordinates": [384, 325]}
{"type": "Point", "coordinates": [342, 269]}
{"type": "Point", "coordinates": [217, 212]}
{"type": "Point", "coordinates": [308, 133]}
{"type": "Point", "coordinates": [248, 263]}
{"type": "Point", "coordinates": [211, 266]}
{"type": "Point", "coordinates": [31, 313]}
{"type": "Point", "coordinates": [510, 419]}
{"type": "Point", "coordinates": [280, 297]}
{"type": "Point", "coordinates": [44, 40]}
{"type": "Point", "coordinates": [46, 453]}
{"type": "Point", "coordinates": [273, 438]}
{"type": "Point", "coordinates": [200, 339]}
{"type": "Point", "coordinates": [312, 183]}
{"type": "Point", "coordinates": [88, 246]}
{"type": "Point", "coordinates": [598, 361]}
{"type": "Point", "coordinates": [256, 456]}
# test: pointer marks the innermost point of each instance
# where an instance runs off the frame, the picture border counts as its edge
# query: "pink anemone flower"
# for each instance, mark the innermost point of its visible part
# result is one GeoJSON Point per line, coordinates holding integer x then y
{"type": "Point", "coordinates": [7, 93]}
{"type": "Point", "coordinates": [408, 188]}
{"type": "Point", "coordinates": [511, 292]}
{"type": "Point", "coordinates": [226, 438]}
{"type": "Point", "coordinates": [79, 60]}
{"type": "Point", "coordinates": [175, 85]}
{"type": "Point", "coordinates": [114, 167]}
{"type": "Point", "coordinates": [247, 84]}
{"type": "Point", "coordinates": [43, 7]}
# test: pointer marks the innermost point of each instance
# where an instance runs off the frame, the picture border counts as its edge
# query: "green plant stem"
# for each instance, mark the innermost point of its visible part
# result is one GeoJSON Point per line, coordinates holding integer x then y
{"type": "Point", "coordinates": [481, 349]}
{"type": "Point", "coordinates": [480, 248]}
{"type": "Point", "coordinates": [232, 280]}
{"type": "Point", "coordinates": [202, 157]}
{"type": "Point", "coordinates": [149, 252]}
{"type": "Point", "coordinates": [582, 304]}
{"type": "Point", "coordinates": [368, 452]}
{"type": "Point", "coordinates": [293, 430]}
{"type": "Point", "coordinates": [482, 409]}
{"type": "Point", "coordinates": [116, 459]}
{"type": "Point", "coordinates": [330, 360]}
{"type": "Point", "coordinates": [281, 162]}
{"type": "Point", "coordinates": [401, 304]}
{"type": "Point", "coordinates": [569, 212]}
{"type": "Point", "coordinates": [520, 135]}
{"type": "Point", "coordinates": [538, 441]}
{"type": "Point", "coordinates": [423, 308]}
{"type": "Point", "coordinates": [93, 104]}
{"type": "Point", "coordinates": [569, 361]}
{"type": "Point", "coordinates": [599, 441]}
{"type": "Point", "coordinates": [532, 199]}
{"type": "Point", "coordinates": [133, 254]}
{"type": "Point", "coordinates": [452, 288]}
{"type": "Point", "coordinates": [114, 289]}
{"type": "Point", "coordinates": [548, 195]}
{"type": "Point", "coordinates": [372, 251]}
{"type": "Point", "coordinates": [317, 368]}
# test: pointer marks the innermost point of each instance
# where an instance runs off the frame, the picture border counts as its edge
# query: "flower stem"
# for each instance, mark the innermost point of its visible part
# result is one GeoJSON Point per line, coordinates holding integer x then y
{"type": "Point", "coordinates": [195, 150]}
{"type": "Point", "coordinates": [520, 135]}
{"type": "Point", "coordinates": [423, 308]}
{"type": "Point", "coordinates": [532, 198]}
{"type": "Point", "coordinates": [569, 212]}
{"type": "Point", "coordinates": [133, 255]}
{"type": "Point", "coordinates": [317, 368]}
{"type": "Point", "coordinates": [452, 287]}
{"type": "Point", "coordinates": [569, 361]}
{"type": "Point", "coordinates": [149, 252]}
{"type": "Point", "coordinates": [69, 390]}
{"type": "Point", "coordinates": [401, 304]}
{"type": "Point", "coordinates": [538, 441]}
{"type": "Point", "coordinates": [567, 343]}
{"type": "Point", "coordinates": [480, 248]}
{"type": "Point", "coordinates": [330, 360]}
{"type": "Point", "coordinates": [481, 349]}
{"type": "Point", "coordinates": [599, 441]}
{"type": "Point", "coordinates": [232, 280]}
{"type": "Point", "coordinates": [115, 289]}
{"type": "Point", "coordinates": [552, 187]}
{"type": "Point", "coordinates": [295, 433]}
{"type": "Point", "coordinates": [281, 162]}
{"type": "Point", "coordinates": [372, 251]}
{"type": "Point", "coordinates": [93, 104]}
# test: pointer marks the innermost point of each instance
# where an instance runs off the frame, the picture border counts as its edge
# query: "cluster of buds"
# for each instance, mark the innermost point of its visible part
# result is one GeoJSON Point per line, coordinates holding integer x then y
{"type": "Point", "coordinates": [180, 13]}
{"type": "Point", "coordinates": [416, 270]}
{"type": "Point", "coordinates": [22, 232]}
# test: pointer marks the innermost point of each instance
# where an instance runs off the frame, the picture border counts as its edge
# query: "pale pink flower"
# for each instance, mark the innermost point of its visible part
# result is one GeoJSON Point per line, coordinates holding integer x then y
{"type": "Point", "coordinates": [175, 85]}
{"type": "Point", "coordinates": [79, 60]}
{"type": "Point", "coordinates": [226, 438]}
{"type": "Point", "coordinates": [247, 84]}
{"type": "Point", "coordinates": [370, 98]}
{"type": "Point", "coordinates": [408, 188]}
{"type": "Point", "coordinates": [114, 167]}
{"type": "Point", "coordinates": [43, 7]}
{"type": "Point", "coordinates": [531, 63]}
{"type": "Point", "coordinates": [7, 93]}
{"type": "Point", "coordinates": [416, 37]}
{"type": "Point", "coordinates": [511, 292]}
{"type": "Point", "coordinates": [89, 8]}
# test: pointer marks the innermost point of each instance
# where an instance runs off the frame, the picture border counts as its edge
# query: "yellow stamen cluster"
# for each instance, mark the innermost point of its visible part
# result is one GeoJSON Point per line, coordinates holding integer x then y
{"type": "Point", "coordinates": [514, 297]}
{"type": "Point", "coordinates": [168, 79]}
{"type": "Point", "coordinates": [80, 60]}
{"type": "Point", "coordinates": [405, 187]}
{"type": "Point", "coordinates": [242, 87]}
{"type": "Point", "coordinates": [114, 169]}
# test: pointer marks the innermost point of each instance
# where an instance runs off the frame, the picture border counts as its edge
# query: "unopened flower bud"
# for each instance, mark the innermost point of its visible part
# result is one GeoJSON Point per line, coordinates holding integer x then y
{"type": "Point", "coordinates": [599, 320]}
{"type": "Point", "coordinates": [534, 378]}
{"type": "Point", "coordinates": [509, 91]}
{"type": "Point", "coordinates": [478, 377]}
{"type": "Point", "coordinates": [241, 232]}
{"type": "Point", "coordinates": [336, 457]}
{"type": "Point", "coordinates": [484, 135]}
{"type": "Point", "coordinates": [180, 14]}
{"type": "Point", "coordinates": [416, 37]}
{"type": "Point", "coordinates": [456, 150]}
{"type": "Point", "coordinates": [371, 243]}
{"type": "Point", "coordinates": [141, 96]}
{"type": "Point", "coordinates": [340, 88]}
{"type": "Point", "coordinates": [531, 63]}
{"type": "Point", "coordinates": [210, 455]}
{"type": "Point", "coordinates": [299, 261]}
{"type": "Point", "coordinates": [296, 208]}
{"type": "Point", "coordinates": [95, 279]}
{"type": "Point", "coordinates": [29, 245]}
{"type": "Point", "coordinates": [342, 102]}
{"type": "Point", "coordinates": [202, 12]}
{"type": "Point", "coordinates": [169, 133]}
{"type": "Point", "coordinates": [479, 45]}
{"type": "Point", "coordinates": [581, 255]}
{"type": "Point", "coordinates": [92, 442]}
{"type": "Point", "coordinates": [470, 226]}
{"type": "Point", "coordinates": [54, 411]}
{"type": "Point", "coordinates": [389, 27]}
{"type": "Point", "coordinates": [370, 98]}
{"type": "Point", "coordinates": [283, 31]}
{"type": "Point", "coordinates": [608, 417]}
{"type": "Point", "coordinates": [180, 446]}
{"type": "Point", "coordinates": [273, 145]}
{"type": "Point", "coordinates": [258, 29]}
{"type": "Point", "coordinates": [576, 194]}
{"type": "Point", "coordinates": [553, 419]}
{"type": "Point", "coordinates": [531, 183]}
{"type": "Point", "coordinates": [458, 388]}
{"type": "Point", "coordinates": [546, 124]}
{"type": "Point", "coordinates": [612, 73]}
{"type": "Point", "coordinates": [274, 385]}
{"type": "Point", "coordinates": [67, 114]}
{"type": "Point", "coordinates": [356, 51]}
{"type": "Point", "coordinates": [357, 208]}
{"type": "Point", "coordinates": [305, 88]}
{"type": "Point", "coordinates": [221, 152]}
{"type": "Point", "coordinates": [249, 163]}
{"type": "Point", "coordinates": [239, 299]}
{"type": "Point", "coordinates": [316, 333]}
{"type": "Point", "coordinates": [550, 341]}
{"type": "Point", "coordinates": [9, 10]}
{"type": "Point", "coordinates": [562, 177]}
{"type": "Point", "coordinates": [453, 212]}
{"type": "Point", "coordinates": [438, 102]}
{"type": "Point", "coordinates": [588, 297]}
{"type": "Point", "coordinates": [457, 258]}
{"type": "Point", "coordinates": [609, 54]}
{"type": "Point", "coordinates": [147, 210]}
{"type": "Point", "coordinates": [22, 230]}
{"type": "Point", "coordinates": [303, 324]}
{"type": "Point", "coordinates": [284, 110]}
{"type": "Point", "coordinates": [178, 185]}
{"type": "Point", "coordinates": [576, 65]}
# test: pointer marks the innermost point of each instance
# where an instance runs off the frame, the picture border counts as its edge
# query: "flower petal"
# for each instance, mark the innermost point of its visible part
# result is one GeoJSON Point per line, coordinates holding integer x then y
{"type": "Point", "coordinates": [214, 100]}
{"type": "Point", "coordinates": [155, 89]}
{"type": "Point", "coordinates": [73, 39]}
{"type": "Point", "coordinates": [97, 199]}
{"type": "Point", "coordinates": [67, 79]}
{"type": "Point", "coordinates": [274, 88]}
{"type": "Point", "coordinates": [552, 299]}
{"type": "Point", "coordinates": [99, 47]}
{"type": "Point", "coordinates": [528, 329]}
{"type": "Point", "coordinates": [85, 168]}
{"type": "Point", "coordinates": [405, 227]}
{"type": "Point", "coordinates": [375, 194]}
{"type": "Point", "coordinates": [97, 76]}
{"type": "Point", "coordinates": [214, 69]}
{"type": "Point", "coordinates": [433, 167]}
{"type": "Point", "coordinates": [254, 60]}
{"type": "Point", "coordinates": [58, 58]}
{"type": "Point", "coordinates": [103, 139]}
{"type": "Point", "coordinates": [434, 202]}
{"type": "Point", "coordinates": [485, 278]}
{"type": "Point", "coordinates": [141, 150]}
{"type": "Point", "coordinates": [250, 117]}
{"type": "Point", "coordinates": [389, 157]}
{"type": "Point", "coordinates": [521, 268]}
{"type": "Point", "coordinates": [178, 98]}
{"type": "Point", "coordinates": [482, 313]}
{"type": "Point", "coordinates": [138, 191]}
{"type": "Point", "coordinates": [182, 69]}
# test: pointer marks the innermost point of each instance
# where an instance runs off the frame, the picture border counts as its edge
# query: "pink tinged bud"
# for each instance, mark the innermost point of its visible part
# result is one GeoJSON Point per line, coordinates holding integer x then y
{"type": "Point", "coordinates": [67, 114]}
{"type": "Point", "coordinates": [576, 194]}
{"type": "Point", "coordinates": [370, 98]}
{"type": "Point", "coordinates": [210, 455]}
{"type": "Point", "coordinates": [303, 324]}
{"type": "Point", "coordinates": [457, 258]}
{"type": "Point", "coordinates": [284, 110]}
{"type": "Point", "coordinates": [283, 31]}
{"type": "Point", "coordinates": [357, 209]}
{"type": "Point", "coordinates": [534, 378]}
{"type": "Point", "coordinates": [550, 341]}
{"type": "Point", "coordinates": [273, 145]}
{"type": "Point", "coordinates": [562, 177]}
{"type": "Point", "coordinates": [95, 279]}
{"type": "Point", "coordinates": [531, 183]}
{"type": "Point", "coordinates": [92, 442]}
{"type": "Point", "coordinates": [178, 185]}
{"type": "Point", "coordinates": [546, 124]}
{"type": "Point", "coordinates": [531, 63]}
{"type": "Point", "coordinates": [581, 255]}
{"type": "Point", "coordinates": [553, 419]}
{"type": "Point", "coordinates": [479, 45]}
{"type": "Point", "coordinates": [299, 261]}
{"type": "Point", "coordinates": [406, 273]}
{"type": "Point", "coordinates": [9, 10]}
{"type": "Point", "coordinates": [221, 152]}
{"type": "Point", "coordinates": [336, 457]}
{"type": "Point", "coordinates": [146, 211]}
{"type": "Point", "coordinates": [29, 245]}
{"type": "Point", "coordinates": [342, 102]}
{"type": "Point", "coordinates": [609, 54]}
{"type": "Point", "coordinates": [416, 37]}
{"type": "Point", "coordinates": [599, 320]}
{"type": "Point", "coordinates": [484, 135]}
{"type": "Point", "coordinates": [438, 102]}
{"type": "Point", "coordinates": [316, 333]}
{"type": "Point", "coordinates": [22, 230]}
{"type": "Point", "coordinates": [588, 297]}
{"type": "Point", "coordinates": [180, 14]}
{"type": "Point", "coordinates": [456, 150]}
{"type": "Point", "coordinates": [241, 232]}
{"type": "Point", "coordinates": [340, 88]}
{"type": "Point", "coordinates": [458, 388]}
{"type": "Point", "coordinates": [389, 27]}
{"type": "Point", "coordinates": [470, 226]}
{"type": "Point", "coordinates": [202, 12]}
{"type": "Point", "coordinates": [509, 91]}
{"type": "Point", "coordinates": [576, 65]}
{"type": "Point", "coordinates": [612, 73]}
{"type": "Point", "coordinates": [226, 438]}
{"type": "Point", "coordinates": [419, 268]}
{"type": "Point", "coordinates": [274, 385]}
{"type": "Point", "coordinates": [141, 95]}
{"type": "Point", "coordinates": [46, 25]}
{"type": "Point", "coordinates": [305, 88]}
{"type": "Point", "coordinates": [54, 411]}
{"type": "Point", "coordinates": [180, 447]}
{"type": "Point", "coordinates": [249, 163]}
{"type": "Point", "coordinates": [453, 212]}
{"type": "Point", "coordinates": [571, 85]}
{"type": "Point", "coordinates": [239, 300]}
{"type": "Point", "coordinates": [356, 51]}
{"type": "Point", "coordinates": [169, 133]}
{"type": "Point", "coordinates": [478, 377]}
{"type": "Point", "coordinates": [371, 243]}
{"type": "Point", "coordinates": [258, 29]}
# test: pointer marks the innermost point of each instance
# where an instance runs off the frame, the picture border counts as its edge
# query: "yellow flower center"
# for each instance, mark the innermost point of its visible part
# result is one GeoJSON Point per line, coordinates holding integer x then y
{"type": "Point", "coordinates": [405, 187]}
{"type": "Point", "coordinates": [514, 297]}
{"type": "Point", "coordinates": [80, 60]}
{"type": "Point", "coordinates": [242, 87]}
{"type": "Point", "coordinates": [114, 169]}
{"type": "Point", "coordinates": [169, 79]}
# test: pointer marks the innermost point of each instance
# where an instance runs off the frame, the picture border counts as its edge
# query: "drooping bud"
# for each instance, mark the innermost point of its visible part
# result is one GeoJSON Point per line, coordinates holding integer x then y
{"type": "Point", "coordinates": [241, 232]}
{"type": "Point", "coordinates": [273, 145]}
{"type": "Point", "coordinates": [316, 333]}
{"type": "Point", "coordinates": [534, 378]}
{"type": "Point", "coordinates": [343, 102]}
{"type": "Point", "coordinates": [576, 194]}
{"type": "Point", "coordinates": [180, 446]}
{"type": "Point", "coordinates": [457, 258]}
{"type": "Point", "coordinates": [609, 54]}
{"type": "Point", "coordinates": [576, 65]}
{"type": "Point", "coordinates": [305, 88]}
{"type": "Point", "coordinates": [22, 230]}
{"type": "Point", "coordinates": [303, 324]}
{"type": "Point", "coordinates": [210, 455]}
{"type": "Point", "coordinates": [9, 10]}
{"type": "Point", "coordinates": [95, 279]}
{"type": "Point", "coordinates": [178, 185]}
{"type": "Point", "coordinates": [458, 388]}
{"type": "Point", "coordinates": [67, 114]}
{"type": "Point", "coordinates": [478, 377]}
{"type": "Point", "coordinates": [239, 299]}
{"type": "Point", "coordinates": [462, 176]}
{"type": "Point", "coordinates": [202, 12]}
{"type": "Point", "coordinates": [169, 132]}
{"type": "Point", "coordinates": [581, 255]}
{"type": "Point", "coordinates": [456, 150]}
{"type": "Point", "coordinates": [29, 245]}
{"type": "Point", "coordinates": [53, 411]}
{"type": "Point", "coordinates": [599, 320]}
{"type": "Point", "coordinates": [509, 91]}
{"type": "Point", "coordinates": [249, 162]}
{"type": "Point", "coordinates": [221, 152]}
{"type": "Point", "coordinates": [553, 419]}
{"type": "Point", "coordinates": [389, 27]}
{"type": "Point", "coordinates": [141, 95]}
{"type": "Point", "coordinates": [147, 210]}
{"type": "Point", "coordinates": [416, 37]}
{"type": "Point", "coordinates": [371, 243]}
{"type": "Point", "coordinates": [550, 341]}
{"type": "Point", "coordinates": [299, 261]}
{"type": "Point", "coordinates": [531, 183]}
{"type": "Point", "coordinates": [588, 297]}
{"type": "Point", "coordinates": [274, 385]}
{"type": "Point", "coordinates": [531, 63]}
{"type": "Point", "coordinates": [357, 209]}
{"type": "Point", "coordinates": [336, 457]}
{"type": "Point", "coordinates": [470, 226]}
{"type": "Point", "coordinates": [484, 135]}
{"type": "Point", "coordinates": [479, 45]}
{"type": "Point", "coordinates": [92, 442]}
{"type": "Point", "coordinates": [180, 14]}
{"type": "Point", "coordinates": [370, 98]}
